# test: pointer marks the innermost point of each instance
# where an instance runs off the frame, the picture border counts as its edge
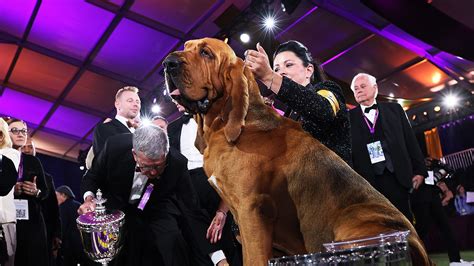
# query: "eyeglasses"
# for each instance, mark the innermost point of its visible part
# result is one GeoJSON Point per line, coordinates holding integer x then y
{"type": "Point", "coordinates": [144, 169]}
{"type": "Point", "coordinates": [16, 131]}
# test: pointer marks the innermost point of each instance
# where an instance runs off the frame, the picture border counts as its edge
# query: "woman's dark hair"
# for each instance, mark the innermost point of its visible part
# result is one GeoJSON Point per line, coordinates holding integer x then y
{"type": "Point", "coordinates": [11, 120]}
{"type": "Point", "coordinates": [305, 55]}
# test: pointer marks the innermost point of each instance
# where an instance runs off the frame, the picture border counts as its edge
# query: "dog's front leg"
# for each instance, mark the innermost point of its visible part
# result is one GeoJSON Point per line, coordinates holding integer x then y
{"type": "Point", "coordinates": [256, 216]}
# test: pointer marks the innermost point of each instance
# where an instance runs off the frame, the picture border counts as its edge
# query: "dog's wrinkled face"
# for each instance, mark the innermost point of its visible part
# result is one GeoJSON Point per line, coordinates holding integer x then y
{"type": "Point", "coordinates": [208, 74]}
{"type": "Point", "coordinates": [195, 77]}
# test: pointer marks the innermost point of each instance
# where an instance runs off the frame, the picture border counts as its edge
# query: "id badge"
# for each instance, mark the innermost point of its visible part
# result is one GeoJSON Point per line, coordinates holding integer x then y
{"type": "Point", "coordinates": [375, 152]}
{"type": "Point", "coordinates": [21, 207]}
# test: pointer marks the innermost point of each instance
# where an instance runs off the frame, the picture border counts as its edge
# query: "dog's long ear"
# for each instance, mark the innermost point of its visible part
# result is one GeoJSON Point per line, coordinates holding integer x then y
{"type": "Point", "coordinates": [237, 104]}
{"type": "Point", "coordinates": [200, 142]}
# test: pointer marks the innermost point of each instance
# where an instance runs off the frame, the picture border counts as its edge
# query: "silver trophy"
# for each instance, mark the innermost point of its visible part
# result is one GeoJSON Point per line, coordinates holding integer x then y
{"type": "Point", "coordinates": [101, 232]}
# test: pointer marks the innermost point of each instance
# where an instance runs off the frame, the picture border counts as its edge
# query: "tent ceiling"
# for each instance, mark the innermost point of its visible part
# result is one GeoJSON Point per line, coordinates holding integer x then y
{"type": "Point", "coordinates": [61, 62]}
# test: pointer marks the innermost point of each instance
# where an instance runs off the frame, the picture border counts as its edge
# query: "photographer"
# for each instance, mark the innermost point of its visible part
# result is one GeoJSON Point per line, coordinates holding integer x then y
{"type": "Point", "coordinates": [427, 207]}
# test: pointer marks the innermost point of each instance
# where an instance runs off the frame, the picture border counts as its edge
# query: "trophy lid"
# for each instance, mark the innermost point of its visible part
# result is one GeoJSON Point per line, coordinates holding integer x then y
{"type": "Point", "coordinates": [100, 216]}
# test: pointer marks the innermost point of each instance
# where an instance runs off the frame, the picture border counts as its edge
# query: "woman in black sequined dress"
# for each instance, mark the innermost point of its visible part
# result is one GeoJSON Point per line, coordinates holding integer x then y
{"type": "Point", "coordinates": [300, 83]}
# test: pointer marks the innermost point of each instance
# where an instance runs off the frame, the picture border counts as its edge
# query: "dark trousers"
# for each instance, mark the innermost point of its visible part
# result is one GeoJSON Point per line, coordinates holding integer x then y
{"type": "Point", "coordinates": [398, 195]}
{"type": "Point", "coordinates": [430, 210]}
{"type": "Point", "coordinates": [157, 241]}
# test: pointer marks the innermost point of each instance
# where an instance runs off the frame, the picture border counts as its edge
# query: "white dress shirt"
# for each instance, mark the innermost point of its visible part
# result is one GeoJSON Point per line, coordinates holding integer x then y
{"type": "Point", "coordinates": [371, 114]}
{"type": "Point", "coordinates": [187, 148]}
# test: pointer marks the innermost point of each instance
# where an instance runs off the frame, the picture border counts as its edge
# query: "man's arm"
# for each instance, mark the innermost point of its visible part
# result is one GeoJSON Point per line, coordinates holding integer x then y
{"type": "Point", "coordinates": [93, 179]}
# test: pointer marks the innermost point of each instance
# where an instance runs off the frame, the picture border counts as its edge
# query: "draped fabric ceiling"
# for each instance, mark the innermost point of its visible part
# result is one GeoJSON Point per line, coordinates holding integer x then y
{"type": "Point", "coordinates": [61, 62]}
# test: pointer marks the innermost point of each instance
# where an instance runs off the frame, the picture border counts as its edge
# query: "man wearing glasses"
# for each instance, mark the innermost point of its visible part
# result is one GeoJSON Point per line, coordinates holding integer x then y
{"type": "Point", "coordinates": [139, 174]}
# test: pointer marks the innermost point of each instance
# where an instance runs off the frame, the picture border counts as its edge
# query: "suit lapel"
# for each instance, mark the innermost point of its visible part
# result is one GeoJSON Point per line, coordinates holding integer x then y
{"type": "Point", "coordinates": [120, 127]}
{"type": "Point", "coordinates": [362, 126]}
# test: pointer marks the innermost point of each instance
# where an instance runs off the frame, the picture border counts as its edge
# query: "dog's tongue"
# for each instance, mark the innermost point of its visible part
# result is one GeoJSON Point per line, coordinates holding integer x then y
{"type": "Point", "coordinates": [176, 92]}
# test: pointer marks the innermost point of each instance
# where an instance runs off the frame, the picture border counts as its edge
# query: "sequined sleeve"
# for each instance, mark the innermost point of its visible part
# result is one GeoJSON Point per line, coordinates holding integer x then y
{"type": "Point", "coordinates": [307, 102]}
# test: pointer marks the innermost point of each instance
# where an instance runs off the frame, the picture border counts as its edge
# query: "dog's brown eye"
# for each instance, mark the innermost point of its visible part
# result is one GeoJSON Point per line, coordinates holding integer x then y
{"type": "Point", "coordinates": [206, 53]}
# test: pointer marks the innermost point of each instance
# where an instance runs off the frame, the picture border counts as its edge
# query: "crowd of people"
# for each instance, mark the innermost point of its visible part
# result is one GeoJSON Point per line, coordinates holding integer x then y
{"type": "Point", "coordinates": [155, 175]}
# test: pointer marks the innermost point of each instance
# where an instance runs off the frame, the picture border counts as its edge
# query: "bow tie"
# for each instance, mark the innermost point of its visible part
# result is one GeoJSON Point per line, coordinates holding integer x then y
{"type": "Point", "coordinates": [186, 117]}
{"type": "Point", "coordinates": [129, 124]}
{"type": "Point", "coordinates": [367, 110]}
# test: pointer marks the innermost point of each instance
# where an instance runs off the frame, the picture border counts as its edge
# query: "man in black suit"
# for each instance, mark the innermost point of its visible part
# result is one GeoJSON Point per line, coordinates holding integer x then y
{"type": "Point", "coordinates": [150, 183]}
{"type": "Point", "coordinates": [71, 252]}
{"type": "Point", "coordinates": [127, 104]}
{"type": "Point", "coordinates": [182, 134]}
{"type": "Point", "coordinates": [384, 148]}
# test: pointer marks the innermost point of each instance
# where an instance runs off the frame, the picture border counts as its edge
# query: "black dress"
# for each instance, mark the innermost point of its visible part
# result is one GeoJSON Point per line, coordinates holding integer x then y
{"type": "Point", "coordinates": [317, 116]}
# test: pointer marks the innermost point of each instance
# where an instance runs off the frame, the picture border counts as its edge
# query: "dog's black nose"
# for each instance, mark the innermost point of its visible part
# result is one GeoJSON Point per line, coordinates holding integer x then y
{"type": "Point", "coordinates": [172, 63]}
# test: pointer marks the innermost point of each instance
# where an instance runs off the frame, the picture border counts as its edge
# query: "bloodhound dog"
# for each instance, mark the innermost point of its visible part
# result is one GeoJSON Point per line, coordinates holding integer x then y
{"type": "Point", "coordinates": [288, 193]}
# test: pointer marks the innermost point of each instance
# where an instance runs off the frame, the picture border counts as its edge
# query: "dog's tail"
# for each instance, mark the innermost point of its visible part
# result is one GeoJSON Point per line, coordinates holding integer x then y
{"type": "Point", "coordinates": [418, 253]}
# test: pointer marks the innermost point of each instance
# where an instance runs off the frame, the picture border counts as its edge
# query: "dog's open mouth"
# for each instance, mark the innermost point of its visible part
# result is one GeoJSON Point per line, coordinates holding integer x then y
{"type": "Point", "coordinates": [192, 106]}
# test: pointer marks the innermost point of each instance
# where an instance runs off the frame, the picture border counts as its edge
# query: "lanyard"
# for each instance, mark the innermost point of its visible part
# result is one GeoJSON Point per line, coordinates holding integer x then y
{"type": "Point", "coordinates": [145, 197]}
{"type": "Point", "coordinates": [20, 168]}
{"type": "Point", "coordinates": [371, 128]}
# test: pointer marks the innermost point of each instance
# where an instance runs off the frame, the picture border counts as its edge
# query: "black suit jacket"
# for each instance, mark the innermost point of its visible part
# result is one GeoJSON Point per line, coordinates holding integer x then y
{"type": "Point", "coordinates": [405, 153]}
{"type": "Point", "coordinates": [51, 211]}
{"type": "Point", "coordinates": [113, 170]}
{"type": "Point", "coordinates": [174, 132]}
{"type": "Point", "coordinates": [32, 167]}
{"type": "Point", "coordinates": [71, 239]}
{"type": "Point", "coordinates": [8, 175]}
{"type": "Point", "coordinates": [103, 131]}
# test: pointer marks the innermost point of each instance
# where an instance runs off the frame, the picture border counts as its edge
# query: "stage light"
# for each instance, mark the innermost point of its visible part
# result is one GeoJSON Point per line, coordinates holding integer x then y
{"type": "Point", "coordinates": [269, 23]}
{"type": "Point", "coordinates": [451, 101]}
{"type": "Point", "coordinates": [413, 117]}
{"type": "Point", "coordinates": [437, 88]}
{"type": "Point", "coordinates": [425, 113]}
{"type": "Point", "coordinates": [437, 108]}
{"type": "Point", "coordinates": [244, 37]}
{"type": "Point", "coordinates": [81, 167]}
{"type": "Point", "coordinates": [146, 122]}
{"type": "Point", "coordinates": [156, 108]}
{"type": "Point", "coordinates": [391, 95]}
{"type": "Point", "coordinates": [396, 84]}
{"type": "Point", "coordinates": [436, 78]}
